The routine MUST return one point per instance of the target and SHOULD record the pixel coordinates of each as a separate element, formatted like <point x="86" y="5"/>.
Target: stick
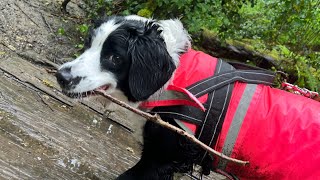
<point x="156" y="119"/>
<point x="46" y="22"/>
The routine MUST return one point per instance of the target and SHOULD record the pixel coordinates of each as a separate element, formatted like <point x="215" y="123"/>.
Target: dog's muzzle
<point x="65" y="79"/>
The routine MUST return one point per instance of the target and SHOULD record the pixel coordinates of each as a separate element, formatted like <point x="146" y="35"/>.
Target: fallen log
<point x="212" y="45"/>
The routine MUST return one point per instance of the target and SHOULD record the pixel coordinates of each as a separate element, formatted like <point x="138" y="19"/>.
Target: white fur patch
<point x="88" y="66"/>
<point x="137" y="18"/>
<point x="176" y="37"/>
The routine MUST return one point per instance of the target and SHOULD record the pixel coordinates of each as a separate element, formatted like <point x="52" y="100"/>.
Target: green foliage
<point x="83" y="29"/>
<point x="299" y="66"/>
<point x="145" y="13"/>
<point x="287" y="30"/>
<point x="61" y="31"/>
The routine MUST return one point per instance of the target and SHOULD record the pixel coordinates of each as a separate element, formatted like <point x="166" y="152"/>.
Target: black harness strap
<point x="219" y="89"/>
<point x="195" y="115"/>
<point x="222" y="77"/>
<point x="187" y="113"/>
<point x="216" y="108"/>
<point x="225" y="78"/>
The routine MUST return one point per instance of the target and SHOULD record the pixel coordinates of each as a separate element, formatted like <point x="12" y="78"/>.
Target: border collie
<point x="134" y="57"/>
<point x="138" y="58"/>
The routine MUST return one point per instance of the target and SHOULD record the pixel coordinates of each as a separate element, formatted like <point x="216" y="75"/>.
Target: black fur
<point x="164" y="153"/>
<point x="143" y="64"/>
<point x="136" y="54"/>
<point x="66" y="80"/>
<point x="144" y="68"/>
<point x="151" y="65"/>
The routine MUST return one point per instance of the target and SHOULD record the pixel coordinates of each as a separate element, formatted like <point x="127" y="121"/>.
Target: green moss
<point x="209" y="33"/>
<point x="238" y="43"/>
<point x="274" y="54"/>
<point x="145" y="13"/>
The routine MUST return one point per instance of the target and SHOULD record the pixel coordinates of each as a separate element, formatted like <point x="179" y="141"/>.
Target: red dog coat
<point x="276" y="131"/>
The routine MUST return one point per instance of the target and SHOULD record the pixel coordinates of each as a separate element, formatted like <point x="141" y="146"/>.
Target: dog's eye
<point x="115" y="60"/>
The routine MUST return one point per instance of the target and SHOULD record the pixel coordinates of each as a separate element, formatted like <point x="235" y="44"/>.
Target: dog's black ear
<point x="151" y="65"/>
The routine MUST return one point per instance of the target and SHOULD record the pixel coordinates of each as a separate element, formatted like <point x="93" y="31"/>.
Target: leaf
<point x="83" y="29"/>
<point x="47" y="83"/>
<point x="61" y="31"/>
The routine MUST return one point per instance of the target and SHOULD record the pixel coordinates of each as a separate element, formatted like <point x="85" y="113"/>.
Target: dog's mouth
<point x="87" y="93"/>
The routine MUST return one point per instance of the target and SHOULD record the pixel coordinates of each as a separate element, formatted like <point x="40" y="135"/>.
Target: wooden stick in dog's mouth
<point x="156" y="119"/>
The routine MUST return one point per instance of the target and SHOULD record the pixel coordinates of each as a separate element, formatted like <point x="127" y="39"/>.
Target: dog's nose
<point x="64" y="76"/>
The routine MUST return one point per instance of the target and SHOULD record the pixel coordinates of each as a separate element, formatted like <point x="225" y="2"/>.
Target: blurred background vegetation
<point x="287" y="31"/>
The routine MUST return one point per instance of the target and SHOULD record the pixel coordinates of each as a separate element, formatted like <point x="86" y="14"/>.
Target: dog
<point x="141" y="59"/>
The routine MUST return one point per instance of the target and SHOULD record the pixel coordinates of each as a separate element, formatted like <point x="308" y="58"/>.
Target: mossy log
<point x="208" y="42"/>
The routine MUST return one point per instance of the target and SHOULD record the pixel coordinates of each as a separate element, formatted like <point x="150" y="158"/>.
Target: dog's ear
<point x="151" y="64"/>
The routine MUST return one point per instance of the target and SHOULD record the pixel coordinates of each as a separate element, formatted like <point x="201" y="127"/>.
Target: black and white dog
<point x="135" y="57"/>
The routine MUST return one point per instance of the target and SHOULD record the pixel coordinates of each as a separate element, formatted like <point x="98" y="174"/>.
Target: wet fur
<point x="136" y="57"/>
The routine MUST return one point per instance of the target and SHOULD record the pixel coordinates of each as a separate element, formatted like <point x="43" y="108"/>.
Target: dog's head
<point x="132" y="54"/>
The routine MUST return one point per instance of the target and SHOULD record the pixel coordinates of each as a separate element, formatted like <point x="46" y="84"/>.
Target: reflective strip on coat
<point x="276" y="131"/>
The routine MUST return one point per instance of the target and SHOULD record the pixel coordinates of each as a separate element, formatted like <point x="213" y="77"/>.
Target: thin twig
<point x="46" y="22"/>
<point x="26" y="15"/>
<point x="11" y="48"/>
<point x="44" y="102"/>
<point x="156" y="119"/>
